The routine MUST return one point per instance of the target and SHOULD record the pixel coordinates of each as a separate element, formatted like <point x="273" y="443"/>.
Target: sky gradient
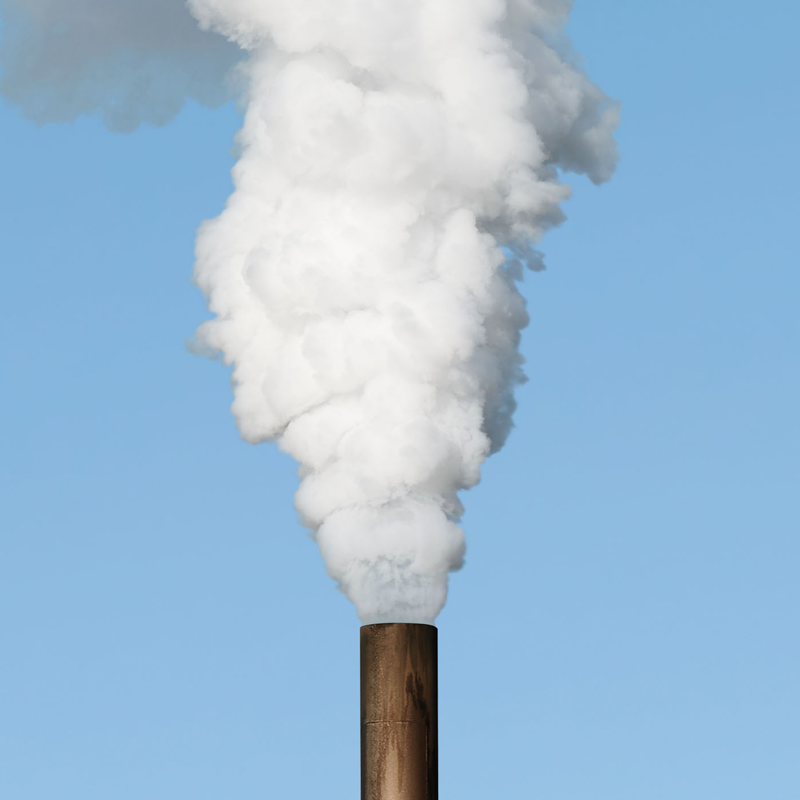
<point x="625" y="627"/>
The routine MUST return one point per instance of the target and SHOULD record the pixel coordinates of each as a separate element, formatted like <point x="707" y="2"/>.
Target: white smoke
<point x="399" y="160"/>
<point x="133" y="60"/>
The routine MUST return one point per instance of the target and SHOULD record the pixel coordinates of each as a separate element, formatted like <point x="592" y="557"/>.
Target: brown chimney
<point x="399" y="718"/>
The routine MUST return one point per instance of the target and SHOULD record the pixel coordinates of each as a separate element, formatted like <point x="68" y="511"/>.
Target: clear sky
<point x="626" y="626"/>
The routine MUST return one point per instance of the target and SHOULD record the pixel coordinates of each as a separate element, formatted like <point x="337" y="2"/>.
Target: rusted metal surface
<point x="399" y="718"/>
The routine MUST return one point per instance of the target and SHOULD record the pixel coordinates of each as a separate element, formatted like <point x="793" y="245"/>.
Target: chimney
<point x="399" y="718"/>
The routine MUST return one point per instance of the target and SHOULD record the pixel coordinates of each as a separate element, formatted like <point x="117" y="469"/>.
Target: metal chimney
<point x="399" y="717"/>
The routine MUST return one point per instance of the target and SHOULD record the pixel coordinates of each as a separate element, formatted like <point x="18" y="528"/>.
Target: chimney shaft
<point x="399" y="717"/>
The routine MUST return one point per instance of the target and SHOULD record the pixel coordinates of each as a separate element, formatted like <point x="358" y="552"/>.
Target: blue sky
<point x="626" y="627"/>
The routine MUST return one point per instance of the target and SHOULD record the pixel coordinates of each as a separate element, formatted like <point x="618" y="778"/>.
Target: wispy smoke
<point x="134" y="61"/>
<point x="399" y="162"/>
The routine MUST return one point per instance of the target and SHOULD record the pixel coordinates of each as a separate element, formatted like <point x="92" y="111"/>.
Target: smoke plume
<point x="134" y="61"/>
<point x="399" y="162"/>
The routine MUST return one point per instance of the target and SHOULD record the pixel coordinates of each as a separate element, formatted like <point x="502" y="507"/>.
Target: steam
<point x="399" y="162"/>
<point x="133" y="60"/>
<point x="390" y="151"/>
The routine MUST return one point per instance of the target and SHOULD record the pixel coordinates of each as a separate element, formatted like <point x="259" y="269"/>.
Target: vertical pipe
<point x="399" y="718"/>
